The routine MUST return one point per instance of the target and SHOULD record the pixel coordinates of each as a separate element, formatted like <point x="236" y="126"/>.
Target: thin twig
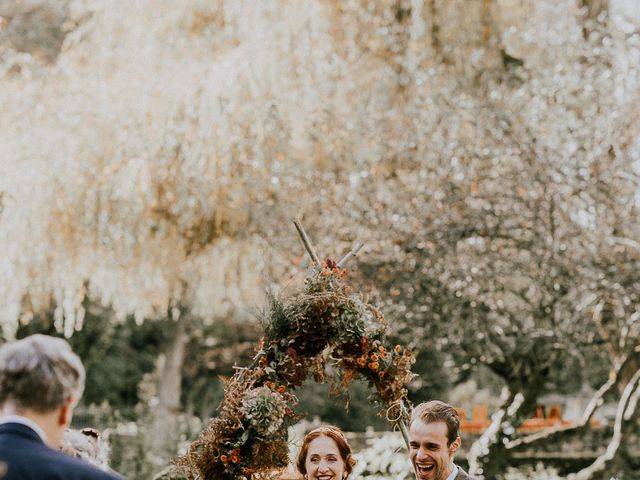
<point x="307" y="243"/>
<point x="348" y="256"/>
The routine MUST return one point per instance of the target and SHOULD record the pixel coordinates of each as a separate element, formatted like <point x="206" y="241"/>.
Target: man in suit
<point x="41" y="380"/>
<point x="434" y="437"/>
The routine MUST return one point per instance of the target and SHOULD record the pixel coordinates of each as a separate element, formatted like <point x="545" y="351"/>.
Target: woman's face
<point x="323" y="460"/>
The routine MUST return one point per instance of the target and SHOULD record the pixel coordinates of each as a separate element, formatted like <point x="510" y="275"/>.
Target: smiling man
<point x="434" y="438"/>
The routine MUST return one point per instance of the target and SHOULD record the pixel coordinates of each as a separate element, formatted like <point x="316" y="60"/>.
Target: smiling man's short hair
<point x="437" y="411"/>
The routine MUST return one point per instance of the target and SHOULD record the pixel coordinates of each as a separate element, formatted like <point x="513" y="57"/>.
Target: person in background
<point x="325" y="454"/>
<point x="41" y="380"/>
<point x="434" y="437"/>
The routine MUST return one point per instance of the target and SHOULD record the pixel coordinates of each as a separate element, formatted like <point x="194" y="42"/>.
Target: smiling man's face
<point x="432" y="459"/>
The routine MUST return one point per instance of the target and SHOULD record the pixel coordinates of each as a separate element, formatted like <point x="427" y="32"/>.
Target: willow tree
<point x="150" y="164"/>
<point x="137" y="177"/>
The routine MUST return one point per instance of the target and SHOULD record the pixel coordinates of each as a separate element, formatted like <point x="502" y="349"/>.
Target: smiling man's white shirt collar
<point x="454" y="472"/>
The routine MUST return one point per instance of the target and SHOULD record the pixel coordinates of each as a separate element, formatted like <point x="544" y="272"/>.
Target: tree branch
<point x="348" y="256"/>
<point x="626" y="400"/>
<point x="482" y="447"/>
<point x="307" y="243"/>
<point x="589" y="410"/>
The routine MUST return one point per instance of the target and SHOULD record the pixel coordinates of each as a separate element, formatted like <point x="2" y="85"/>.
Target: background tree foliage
<point x="153" y="153"/>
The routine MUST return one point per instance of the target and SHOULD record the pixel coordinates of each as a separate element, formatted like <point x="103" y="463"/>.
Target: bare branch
<point x="590" y="409"/>
<point x="491" y="436"/>
<point x="348" y="256"/>
<point x="600" y="463"/>
<point x="307" y="243"/>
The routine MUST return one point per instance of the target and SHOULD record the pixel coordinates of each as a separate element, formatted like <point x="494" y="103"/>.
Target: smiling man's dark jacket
<point x="462" y="475"/>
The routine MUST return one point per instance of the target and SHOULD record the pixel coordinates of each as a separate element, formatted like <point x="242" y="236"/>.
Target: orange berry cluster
<point x="329" y="268"/>
<point x="274" y="386"/>
<point x="373" y="359"/>
<point x="233" y="457"/>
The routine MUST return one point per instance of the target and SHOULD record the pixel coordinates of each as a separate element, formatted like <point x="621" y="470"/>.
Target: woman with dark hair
<point x="325" y="455"/>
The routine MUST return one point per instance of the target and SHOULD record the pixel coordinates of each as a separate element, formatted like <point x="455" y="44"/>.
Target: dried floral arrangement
<point x="327" y="331"/>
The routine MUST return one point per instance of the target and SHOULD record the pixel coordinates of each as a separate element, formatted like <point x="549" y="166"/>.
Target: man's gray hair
<point x="39" y="373"/>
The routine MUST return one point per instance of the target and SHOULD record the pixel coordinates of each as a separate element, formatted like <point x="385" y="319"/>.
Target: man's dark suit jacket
<point x="462" y="475"/>
<point x="26" y="457"/>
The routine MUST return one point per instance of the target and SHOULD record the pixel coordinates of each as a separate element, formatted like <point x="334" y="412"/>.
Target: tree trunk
<point x="164" y="427"/>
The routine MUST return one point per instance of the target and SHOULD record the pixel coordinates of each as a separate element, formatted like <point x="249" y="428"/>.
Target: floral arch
<point x="324" y="325"/>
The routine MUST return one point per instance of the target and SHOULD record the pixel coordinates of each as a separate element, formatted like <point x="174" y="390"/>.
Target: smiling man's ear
<point x="455" y="445"/>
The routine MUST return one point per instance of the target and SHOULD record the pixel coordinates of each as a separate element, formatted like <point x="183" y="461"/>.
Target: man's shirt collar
<point x="454" y="472"/>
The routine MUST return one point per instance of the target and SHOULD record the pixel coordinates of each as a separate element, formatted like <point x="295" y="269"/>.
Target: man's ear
<point x="455" y="445"/>
<point x="66" y="412"/>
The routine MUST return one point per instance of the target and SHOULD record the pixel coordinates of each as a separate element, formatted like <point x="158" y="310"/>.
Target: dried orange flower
<point x="224" y="458"/>
<point x="362" y="361"/>
<point x="374" y="366"/>
<point x="374" y="357"/>
<point x="398" y="349"/>
<point x="383" y="355"/>
<point x="381" y="349"/>
<point x="381" y="374"/>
